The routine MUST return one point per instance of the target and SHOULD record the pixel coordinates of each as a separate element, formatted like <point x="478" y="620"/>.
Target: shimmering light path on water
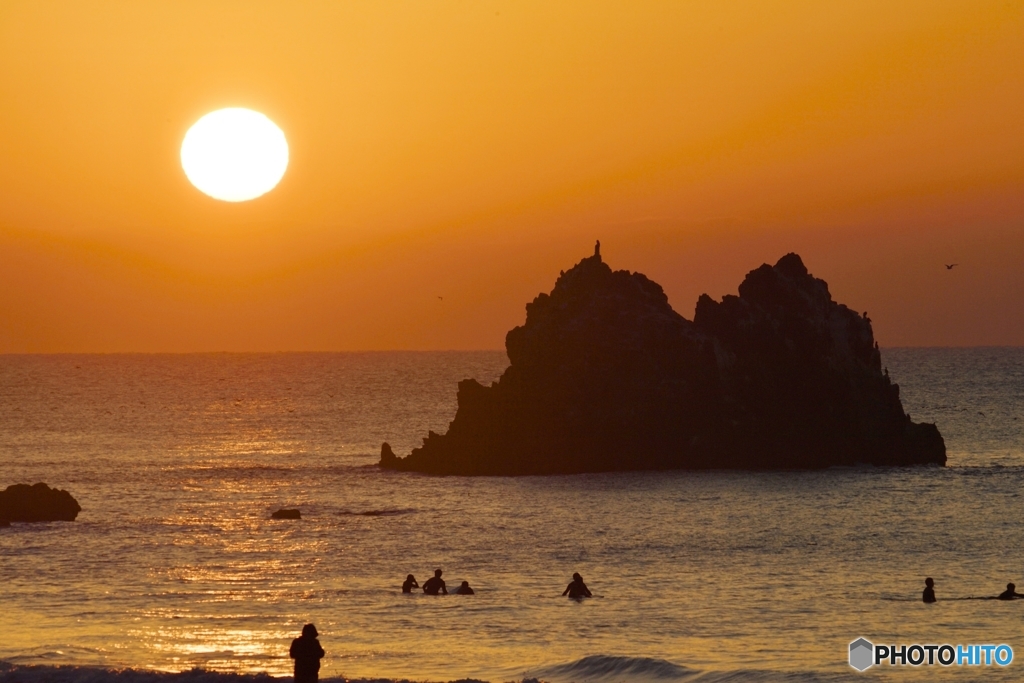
<point x="174" y="562"/>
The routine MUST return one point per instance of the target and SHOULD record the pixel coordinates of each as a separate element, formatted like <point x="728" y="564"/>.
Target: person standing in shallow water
<point x="929" y="591"/>
<point x="577" y="589"/>
<point x="435" y="584"/>
<point x="1010" y="593"/>
<point x="410" y="583"/>
<point x="307" y="653"/>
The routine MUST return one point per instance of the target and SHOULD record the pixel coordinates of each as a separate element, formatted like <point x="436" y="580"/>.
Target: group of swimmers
<point x="436" y="586"/>
<point x="307" y="651"/>
<point x="1009" y="594"/>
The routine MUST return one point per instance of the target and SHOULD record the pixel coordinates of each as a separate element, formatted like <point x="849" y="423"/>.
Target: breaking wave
<point x="608" y="668"/>
<point x="11" y="673"/>
<point x="592" y="669"/>
<point x="612" y="669"/>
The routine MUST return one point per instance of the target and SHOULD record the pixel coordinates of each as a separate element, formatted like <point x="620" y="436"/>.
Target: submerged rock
<point x="605" y="376"/>
<point x="37" y="503"/>
<point x="286" y="513"/>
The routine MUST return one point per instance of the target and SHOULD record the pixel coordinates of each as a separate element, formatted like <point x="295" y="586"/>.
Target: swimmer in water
<point x="1010" y="593"/>
<point x="435" y="585"/>
<point x="929" y="591"/>
<point x="464" y="589"/>
<point x="577" y="589"/>
<point x="410" y="583"/>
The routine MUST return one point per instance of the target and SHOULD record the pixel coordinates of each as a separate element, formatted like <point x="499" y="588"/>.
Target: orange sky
<point x="473" y="149"/>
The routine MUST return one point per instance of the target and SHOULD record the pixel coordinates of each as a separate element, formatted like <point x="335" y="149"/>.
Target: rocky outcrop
<point x="286" y="513"/>
<point x="38" y="503"/>
<point x="387" y="456"/>
<point x="605" y="376"/>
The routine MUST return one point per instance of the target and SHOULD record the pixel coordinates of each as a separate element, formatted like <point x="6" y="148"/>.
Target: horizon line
<point x="370" y="351"/>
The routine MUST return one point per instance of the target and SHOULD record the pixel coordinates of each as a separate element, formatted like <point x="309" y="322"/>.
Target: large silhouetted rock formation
<point x="38" y="503"/>
<point x="604" y="376"/>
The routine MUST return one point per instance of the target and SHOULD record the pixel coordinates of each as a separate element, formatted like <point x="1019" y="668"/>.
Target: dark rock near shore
<point x="286" y="513"/>
<point x="37" y="503"/>
<point x="605" y="376"/>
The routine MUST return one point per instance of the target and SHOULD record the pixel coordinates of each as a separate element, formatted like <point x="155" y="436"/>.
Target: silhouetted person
<point x="1010" y="593"/>
<point x="597" y="249"/>
<point x="306" y="652"/>
<point x="464" y="589"/>
<point x="410" y="583"/>
<point x="435" y="584"/>
<point x="577" y="589"/>
<point x="929" y="591"/>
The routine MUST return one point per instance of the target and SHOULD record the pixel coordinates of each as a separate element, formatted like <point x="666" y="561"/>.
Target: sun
<point x="234" y="154"/>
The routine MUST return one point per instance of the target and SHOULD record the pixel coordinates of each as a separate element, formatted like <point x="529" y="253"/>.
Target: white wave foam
<point x="612" y="669"/>
<point x="12" y="673"/>
<point x="608" y="668"/>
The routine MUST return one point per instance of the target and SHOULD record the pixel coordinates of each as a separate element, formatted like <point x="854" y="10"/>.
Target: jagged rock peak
<point x="605" y="375"/>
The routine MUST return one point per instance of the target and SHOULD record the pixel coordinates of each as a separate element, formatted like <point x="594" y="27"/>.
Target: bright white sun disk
<point x="234" y="154"/>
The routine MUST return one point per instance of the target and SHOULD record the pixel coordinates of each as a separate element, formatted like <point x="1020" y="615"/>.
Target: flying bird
<point x="950" y="266"/>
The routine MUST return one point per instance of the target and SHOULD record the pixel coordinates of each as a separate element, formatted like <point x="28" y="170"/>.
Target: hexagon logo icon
<point x="862" y="654"/>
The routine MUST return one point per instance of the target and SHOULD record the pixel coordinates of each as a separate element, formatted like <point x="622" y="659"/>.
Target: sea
<point x="175" y="570"/>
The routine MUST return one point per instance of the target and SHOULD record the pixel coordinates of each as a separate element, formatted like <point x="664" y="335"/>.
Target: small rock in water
<point x="286" y="513"/>
<point x="38" y="503"/>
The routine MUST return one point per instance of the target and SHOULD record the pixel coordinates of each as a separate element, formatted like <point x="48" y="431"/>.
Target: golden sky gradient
<point x="470" y="150"/>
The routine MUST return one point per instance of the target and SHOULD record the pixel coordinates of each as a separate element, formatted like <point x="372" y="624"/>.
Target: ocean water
<point x="174" y="563"/>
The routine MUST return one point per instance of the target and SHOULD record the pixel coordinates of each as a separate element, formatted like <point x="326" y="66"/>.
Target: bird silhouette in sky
<point x="441" y="298"/>
<point x="951" y="266"/>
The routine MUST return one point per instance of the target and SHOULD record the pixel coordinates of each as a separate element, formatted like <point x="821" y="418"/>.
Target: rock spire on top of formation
<point x="604" y="375"/>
